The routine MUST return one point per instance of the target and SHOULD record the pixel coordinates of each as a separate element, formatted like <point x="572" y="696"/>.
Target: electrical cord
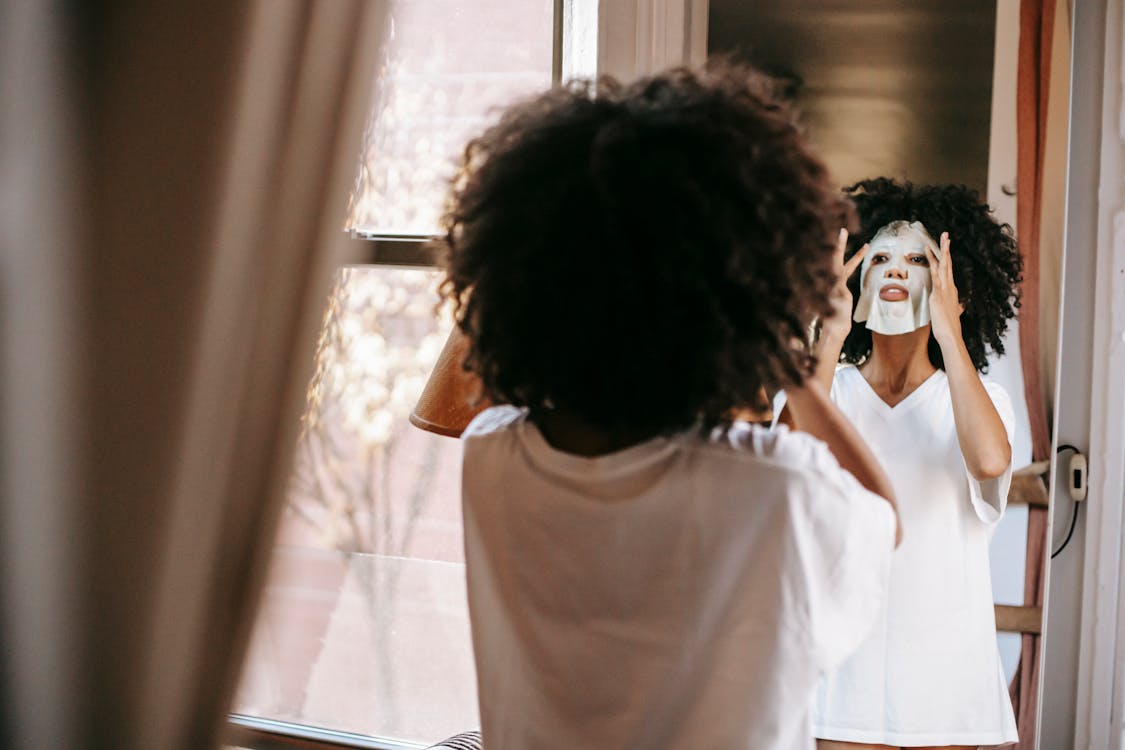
<point x="1074" y="507"/>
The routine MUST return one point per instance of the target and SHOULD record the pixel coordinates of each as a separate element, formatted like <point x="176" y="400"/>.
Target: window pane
<point x="446" y="67"/>
<point x="364" y="625"/>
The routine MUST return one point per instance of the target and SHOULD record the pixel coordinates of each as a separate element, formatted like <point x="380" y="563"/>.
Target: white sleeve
<point x="990" y="497"/>
<point x="781" y="398"/>
<point x="845" y="541"/>
<point x="492" y="419"/>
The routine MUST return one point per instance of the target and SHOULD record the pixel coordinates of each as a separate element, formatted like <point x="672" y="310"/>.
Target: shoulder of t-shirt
<point x="493" y="419"/>
<point x="993" y="386"/>
<point x="844" y="377"/>
<point x="1001" y="399"/>
<point x="998" y="393"/>
<point x="777" y="446"/>
<point x="818" y="486"/>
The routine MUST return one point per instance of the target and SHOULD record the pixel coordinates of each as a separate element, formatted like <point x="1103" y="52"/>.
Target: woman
<point x="621" y="259"/>
<point x="913" y="344"/>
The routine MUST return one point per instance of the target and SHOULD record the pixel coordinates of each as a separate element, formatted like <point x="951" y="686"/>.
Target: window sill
<point x="254" y="733"/>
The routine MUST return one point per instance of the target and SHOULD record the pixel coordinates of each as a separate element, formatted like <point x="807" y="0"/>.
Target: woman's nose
<point x="894" y="272"/>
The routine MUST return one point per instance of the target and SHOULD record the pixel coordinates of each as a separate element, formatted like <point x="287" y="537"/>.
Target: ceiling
<point x="898" y="88"/>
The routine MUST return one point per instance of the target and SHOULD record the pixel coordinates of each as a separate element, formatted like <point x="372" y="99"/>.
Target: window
<point x="364" y="627"/>
<point x="447" y="66"/>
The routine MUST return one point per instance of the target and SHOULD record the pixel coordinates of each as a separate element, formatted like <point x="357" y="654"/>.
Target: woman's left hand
<point x="980" y="430"/>
<point x="945" y="305"/>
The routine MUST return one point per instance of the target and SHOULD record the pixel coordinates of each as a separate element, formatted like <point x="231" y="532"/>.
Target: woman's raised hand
<point x="836" y="327"/>
<point x="945" y="305"/>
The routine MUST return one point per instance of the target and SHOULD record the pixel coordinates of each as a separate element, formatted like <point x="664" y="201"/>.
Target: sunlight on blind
<point x="363" y="626"/>
<point x="447" y="68"/>
<point x="364" y="623"/>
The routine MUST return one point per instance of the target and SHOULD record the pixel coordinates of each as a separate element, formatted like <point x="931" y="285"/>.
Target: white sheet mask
<point x="895" y="281"/>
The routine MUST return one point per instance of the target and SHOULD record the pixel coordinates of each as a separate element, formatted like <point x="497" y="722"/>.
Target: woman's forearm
<point x="980" y="431"/>
<point x="812" y="411"/>
<point x="827" y="357"/>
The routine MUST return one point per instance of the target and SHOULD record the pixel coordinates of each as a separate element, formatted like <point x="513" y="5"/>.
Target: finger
<point x="937" y="276"/>
<point x="947" y="260"/>
<point x="841" y="245"/>
<point x="854" y="261"/>
<point x="935" y="266"/>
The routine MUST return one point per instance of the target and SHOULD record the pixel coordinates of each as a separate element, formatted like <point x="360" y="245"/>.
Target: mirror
<point x="925" y="90"/>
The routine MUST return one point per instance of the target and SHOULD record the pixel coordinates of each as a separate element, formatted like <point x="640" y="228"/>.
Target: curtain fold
<point x="1037" y="20"/>
<point x="174" y="303"/>
<point x="306" y="82"/>
<point x="40" y="373"/>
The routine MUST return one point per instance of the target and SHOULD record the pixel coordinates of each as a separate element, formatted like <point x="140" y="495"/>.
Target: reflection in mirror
<point x="926" y="91"/>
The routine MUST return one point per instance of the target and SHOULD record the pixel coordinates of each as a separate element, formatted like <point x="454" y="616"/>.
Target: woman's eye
<point x="880" y="258"/>
<point x="921" y="260"/>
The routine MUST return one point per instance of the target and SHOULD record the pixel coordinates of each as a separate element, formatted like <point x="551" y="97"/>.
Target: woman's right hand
<point x="835" y="328"/>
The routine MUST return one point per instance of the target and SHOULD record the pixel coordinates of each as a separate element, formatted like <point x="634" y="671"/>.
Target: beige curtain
<point x="173" y="190"/>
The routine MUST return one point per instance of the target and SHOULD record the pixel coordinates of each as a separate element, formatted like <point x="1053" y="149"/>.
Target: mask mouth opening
<point x="894" y="292"/>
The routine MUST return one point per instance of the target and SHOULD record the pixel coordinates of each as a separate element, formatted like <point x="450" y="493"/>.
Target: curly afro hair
<point x="987" y="264"/>
<point x="642" y="256"/>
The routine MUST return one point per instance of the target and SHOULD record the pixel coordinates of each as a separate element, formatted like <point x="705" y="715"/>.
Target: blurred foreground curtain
<point x="173" y="180"/>
<point x="1041" y="39"/>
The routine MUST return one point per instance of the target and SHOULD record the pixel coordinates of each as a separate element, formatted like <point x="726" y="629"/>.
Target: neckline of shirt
<point x="906" y="403"/>
<point x="606" y="466"/>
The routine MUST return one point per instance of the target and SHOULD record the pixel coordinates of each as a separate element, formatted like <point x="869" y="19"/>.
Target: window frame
<point x="256" y="733"/>
<point x="647" y="35"/>
<point x="389" y="250"/>
<point x="415" y="250"/>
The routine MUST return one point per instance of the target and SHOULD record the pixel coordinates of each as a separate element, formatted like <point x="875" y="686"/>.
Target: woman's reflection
<point x="926" y="315"/>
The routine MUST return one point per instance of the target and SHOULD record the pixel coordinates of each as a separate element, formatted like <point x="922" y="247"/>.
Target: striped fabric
<point x="463" y="741"/>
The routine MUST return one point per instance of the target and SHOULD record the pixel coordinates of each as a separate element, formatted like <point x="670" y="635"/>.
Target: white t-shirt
<point x="929" y="673"/>
<point x="681" y="593"/>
